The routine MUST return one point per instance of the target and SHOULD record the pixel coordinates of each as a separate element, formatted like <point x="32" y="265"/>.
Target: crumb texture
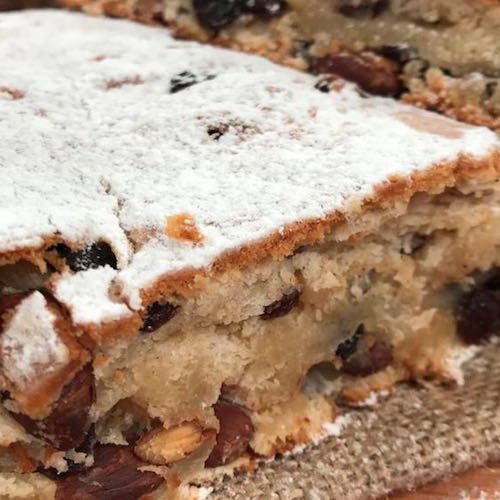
<point x="116" y="156"/>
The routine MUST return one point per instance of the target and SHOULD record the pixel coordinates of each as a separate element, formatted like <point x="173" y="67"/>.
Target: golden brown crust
<point x="308" y="232"/>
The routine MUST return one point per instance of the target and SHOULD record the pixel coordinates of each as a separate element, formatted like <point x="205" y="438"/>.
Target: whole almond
<point x="236" y="430"/>
<point x="67" y="425"/>
<point x="114" y="476"/>
<point x="166" y="446"/>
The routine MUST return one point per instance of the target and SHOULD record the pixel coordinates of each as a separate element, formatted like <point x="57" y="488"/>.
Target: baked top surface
<point x="94" y="146"/>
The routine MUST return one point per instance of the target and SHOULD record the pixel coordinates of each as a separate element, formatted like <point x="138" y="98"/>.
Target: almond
<point x="235" y="432"/>
<point x="115" y="475"/>
<point x="68" y="423"/>
<point x="166" y="446"/>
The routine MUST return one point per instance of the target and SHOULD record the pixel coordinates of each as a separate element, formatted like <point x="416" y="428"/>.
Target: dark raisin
<point x="91" y="257"/>
<point x="478" y="315"/>
<point x="182" y="81"/>
<point x="68" y="424"/>
<point x="215" y="14"/>
<point x="349" y="346"/>
<point x="360" y="9"/>
<point x="282" y="306"/>
<point x="115" y="475"/>
<point x="322" y="85"/>
<point x="157" y="314"/>
<point x="368" y="359"/>
<point x="492" y="281"/>
<point x="401" y="53"/>
<point x="216" y="132"/>
<point x="266" y="8"/>
<point x="491" y="88"/>
<point x="373" y="74"/>
<point x="235" y="432"/>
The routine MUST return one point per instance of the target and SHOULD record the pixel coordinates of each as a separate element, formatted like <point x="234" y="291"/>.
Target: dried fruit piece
<point x="370" y="358"/>
<point x="360" y="9"/>
<point x="68" y="424"/>
<point x="402" y="53"/>
<point x="372" y="73"/>
<point x="478" y="315"/>
<point x="186" y="79"/>
<point x="114" y="476"/>
<point x="266" y="8"/>
<point x="282" y="306"/>
<point x="236" y="431"/>
<point x="349" y="346"/>
<point x="157" y="315"/>
<point x="92" y="256"/>
<point x="165" y="446"/>
<point x="215" y="14"/>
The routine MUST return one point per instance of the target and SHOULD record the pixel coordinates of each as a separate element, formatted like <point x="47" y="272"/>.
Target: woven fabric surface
<point x="417" y="435"/>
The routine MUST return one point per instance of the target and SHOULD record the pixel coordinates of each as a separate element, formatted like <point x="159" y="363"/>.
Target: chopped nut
<point x="183" y="227"/>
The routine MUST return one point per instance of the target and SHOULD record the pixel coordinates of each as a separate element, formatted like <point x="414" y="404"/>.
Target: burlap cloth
<point x="415" y="436"/>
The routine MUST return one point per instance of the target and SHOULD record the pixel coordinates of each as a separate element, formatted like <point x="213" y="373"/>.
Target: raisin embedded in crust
<point x="360" y="9"/>
<point x="215" y="14"/>
<point x="92" y="256"/>
<point x="266" y="8"/>
<point x="282" y="306"/>
<point x="478" y="315"/>
<point x="157" y="315"/>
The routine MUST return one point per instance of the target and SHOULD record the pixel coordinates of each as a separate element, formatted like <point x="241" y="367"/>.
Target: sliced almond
<point x="166" y="446"/>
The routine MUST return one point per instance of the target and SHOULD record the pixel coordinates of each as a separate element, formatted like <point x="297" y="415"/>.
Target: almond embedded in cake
<point x="189" y="236"/>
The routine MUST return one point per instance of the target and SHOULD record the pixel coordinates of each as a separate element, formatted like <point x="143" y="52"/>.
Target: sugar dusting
<point x="30" y="346"/>
<point x="246" y="152"/>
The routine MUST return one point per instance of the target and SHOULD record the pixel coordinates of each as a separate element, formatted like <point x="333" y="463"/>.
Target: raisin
<point x="349" y="346"/>
<point x="157" y="315"/>
<point x="373" y="74"/>
<point x="91" y="257"/>
<point x="115" y="475"/>
<point x="235" y="432"/>
<point x="401" y="53"/>
<point x="266" y="8"/>
<point x="370" y="360"/>
<point x="68" y="424"/>
<point x="478" y="315"/>
<point x="215" y="14"/>
<point x="282" y="306"/>
<point x="182" y="81"/>
<point x="323" y="85"/>
<point x="186" y="79"/>
<point x="360" y="9"/>
<point x="216" y="132"/>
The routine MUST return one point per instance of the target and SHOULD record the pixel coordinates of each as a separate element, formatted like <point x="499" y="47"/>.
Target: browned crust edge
<point x="282" y="243"/>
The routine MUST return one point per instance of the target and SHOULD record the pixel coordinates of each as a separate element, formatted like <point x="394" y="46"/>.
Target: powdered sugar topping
<point x="86" y="294"/>
<point x="30" y="346"/>
<point x="99" y="148"/>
